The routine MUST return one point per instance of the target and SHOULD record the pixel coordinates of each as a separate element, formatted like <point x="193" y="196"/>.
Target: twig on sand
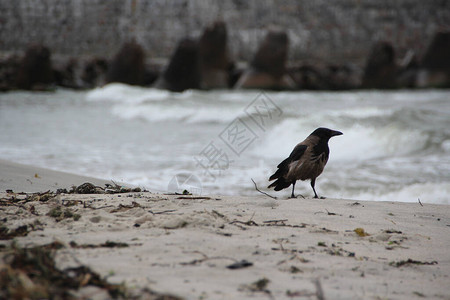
<point x="193" y="198"/>
<point x="205" y="258"/>
<point x="319" y="290"/>
<point x="256" y="188"/>
<point x="420" y="202"/>
<point x="248" y="223"/>
<point x="161" y="212"/>
<point x="275" y="221"/>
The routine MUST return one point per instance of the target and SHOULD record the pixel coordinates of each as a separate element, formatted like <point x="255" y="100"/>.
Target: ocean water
<point x="395" y="147"/>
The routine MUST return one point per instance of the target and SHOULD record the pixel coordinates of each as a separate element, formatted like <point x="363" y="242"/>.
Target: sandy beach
<point x="31" y="179"/>
<point x="231" y="247"/>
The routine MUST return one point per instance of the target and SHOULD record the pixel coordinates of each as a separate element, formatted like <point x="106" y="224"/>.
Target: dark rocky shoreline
<point x="205" y="63"/>
<point x="183" y="44"/>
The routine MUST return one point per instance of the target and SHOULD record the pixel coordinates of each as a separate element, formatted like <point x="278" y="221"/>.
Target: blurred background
<point x="137" y="90"/>
<point x="321" y="45"/>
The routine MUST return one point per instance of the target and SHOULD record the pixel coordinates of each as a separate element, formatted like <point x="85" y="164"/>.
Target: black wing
<point x="283" y="167"/>
<point x="297" y="153"/>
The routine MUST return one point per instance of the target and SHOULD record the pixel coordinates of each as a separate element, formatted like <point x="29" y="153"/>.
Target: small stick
<point x="194" y="198"/>
<point x="275" y="221"/>
<point x="248" y="223"/>
<point x="420" y="202"/>
<point x="256" y="187"/>
<point x="116" y="185"/>
<point x="319" y="290"/>
<point x="162" y="212"/>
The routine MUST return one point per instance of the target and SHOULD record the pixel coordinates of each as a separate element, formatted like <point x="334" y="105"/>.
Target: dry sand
<point x="30" y="179"/>
<point x="298" y="248"/>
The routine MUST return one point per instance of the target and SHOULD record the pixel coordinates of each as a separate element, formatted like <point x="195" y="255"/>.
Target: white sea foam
<point x="437" y="193"/>
<point x="122" y="93"/>
<point x="359" y="142"/>
<point x="175" y="113"/>
<point x="363" y="143"/>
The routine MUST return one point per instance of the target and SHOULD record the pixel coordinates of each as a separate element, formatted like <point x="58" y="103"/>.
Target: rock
<point x="380" y="70"/>
<point x="214" y="58"/>
<point x="307" y="77"/>
<point x="151" y="74"/>
<point x="128" y="66"/>
<point x="272" y="54"/>
<point x="437" y="56"/>
<point x="8" y="72"/>
<point x="326" y="77"/>
<point x="408" y="71"/>
<point x="234" y="73"/>
<point x="35" y="70"/>
<point x="252" y="79"/>
<point x="95" y="70"/>
<point x="343" y="77"/>
<point x="65" y="72"/>
<point x="267" y="69"/>
<point x="435" y="64"/>
<point x="80" y="73"/>
<point x="183" y="71"/>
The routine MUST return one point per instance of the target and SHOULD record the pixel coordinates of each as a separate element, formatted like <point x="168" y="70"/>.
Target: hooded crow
<point x="306" y="161"/>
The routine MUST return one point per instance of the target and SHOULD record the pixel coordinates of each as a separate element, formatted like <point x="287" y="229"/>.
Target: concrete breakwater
<point x="337" y="33"/>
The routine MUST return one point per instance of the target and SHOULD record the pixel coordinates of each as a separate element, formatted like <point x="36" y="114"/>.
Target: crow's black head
<point x="325" y="133"/>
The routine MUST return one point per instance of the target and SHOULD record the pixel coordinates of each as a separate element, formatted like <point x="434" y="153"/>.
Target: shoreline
<point x="280" y="249"/>
<point x="31" y="179"/>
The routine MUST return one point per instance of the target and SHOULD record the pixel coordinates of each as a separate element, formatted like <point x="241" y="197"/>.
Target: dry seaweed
<point x="336" y="250"/>
<point x="410" y="261"/>
<point x="31" y="273"/>
<point x="107" y="244"/>
<point x="294" y="270"/>
<point x="258" y="286"/>
<point x="59" y="214"/>
<point x="16" y="199"/>
<point x="282" y="223"/>
<point x="122" y="207"/>
<point x="361" y="232"/>
<point x="89" y="188"/>
<point x="7" y="234"/>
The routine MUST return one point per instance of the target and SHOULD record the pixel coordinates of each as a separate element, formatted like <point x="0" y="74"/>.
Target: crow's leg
<point x="292" y="194"/>
<point x="313" y="183"/>
<point x="293" y="187"/>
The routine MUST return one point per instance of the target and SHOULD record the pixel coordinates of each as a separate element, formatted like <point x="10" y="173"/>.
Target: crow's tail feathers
<point x="279" y="184"/>
<point x="277" y="174"/>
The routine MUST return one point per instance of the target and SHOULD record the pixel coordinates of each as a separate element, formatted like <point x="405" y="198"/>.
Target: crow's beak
<point x="335" y="132"/>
